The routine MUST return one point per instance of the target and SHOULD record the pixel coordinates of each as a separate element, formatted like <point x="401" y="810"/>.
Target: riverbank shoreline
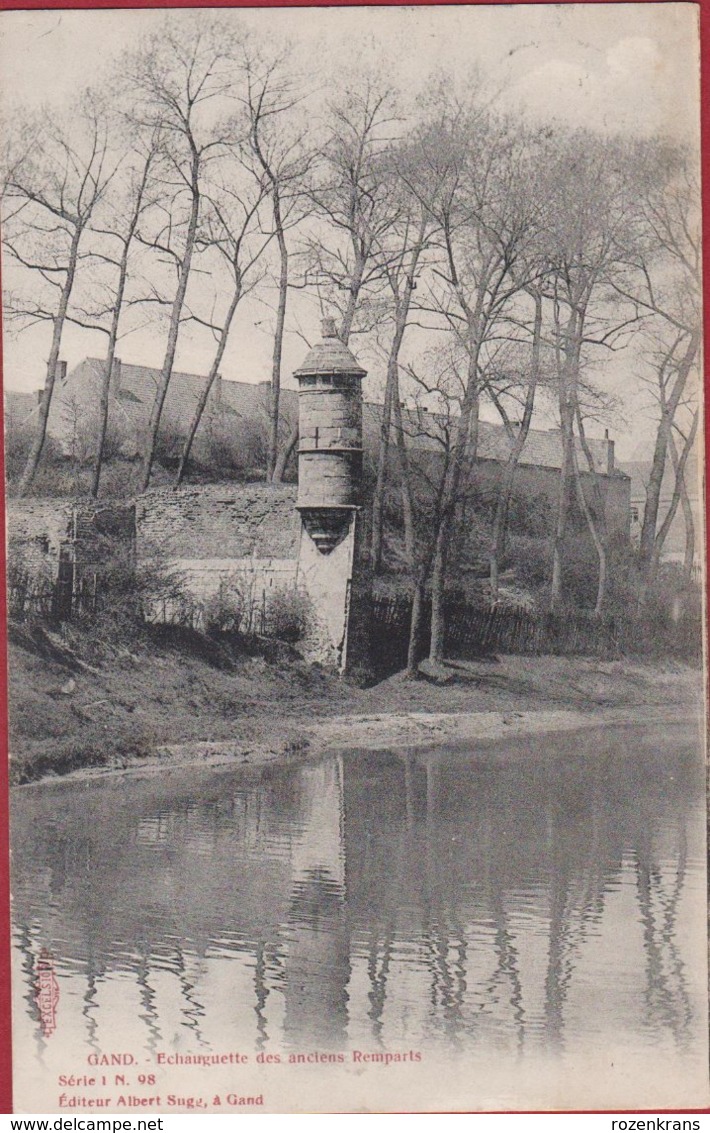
<point x="417" y="732"/>
<point x="163" y="705"/>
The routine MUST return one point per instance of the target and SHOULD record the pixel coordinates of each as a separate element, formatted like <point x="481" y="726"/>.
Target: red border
<point x="25" y="5"/>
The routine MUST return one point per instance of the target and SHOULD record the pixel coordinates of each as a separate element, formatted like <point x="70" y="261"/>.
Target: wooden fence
<point x="478" y="631"/>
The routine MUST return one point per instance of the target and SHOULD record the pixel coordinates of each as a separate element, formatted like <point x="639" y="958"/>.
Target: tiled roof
<point x="543" y="447"/>
<point x="249" y="401"/>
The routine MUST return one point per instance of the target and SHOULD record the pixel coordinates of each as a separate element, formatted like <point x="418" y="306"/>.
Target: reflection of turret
<point x="332" y="555"/>
<point x="318" y="952"/>
<point x="461" y="899"/>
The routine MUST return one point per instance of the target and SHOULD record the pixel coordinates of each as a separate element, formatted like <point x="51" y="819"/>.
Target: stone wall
<point x="37" y="529"/>
<point x="238" y="538"/>
<point x="228" y="521"/>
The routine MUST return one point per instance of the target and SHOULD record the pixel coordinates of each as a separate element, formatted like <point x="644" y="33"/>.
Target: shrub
<point x="288" y="614"/>
<point x="231" y="609"/>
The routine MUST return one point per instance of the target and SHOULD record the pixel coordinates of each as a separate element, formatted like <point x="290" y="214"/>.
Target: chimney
<point x="116" y="377"/>
<point x="609" y="453"/>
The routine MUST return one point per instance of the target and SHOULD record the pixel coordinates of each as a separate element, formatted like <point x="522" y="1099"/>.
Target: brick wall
<point x="243" y="535"/>
<point x="37" y="529"/>
<point x="232" y="521"/>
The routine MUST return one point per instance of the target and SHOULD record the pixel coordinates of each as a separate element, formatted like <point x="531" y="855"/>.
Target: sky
<point x="622" y="67"/>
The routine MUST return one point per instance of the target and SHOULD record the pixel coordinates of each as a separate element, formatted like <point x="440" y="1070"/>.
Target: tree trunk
<point x="665" y="527"/>
<point x="405" y="480"/>
<point x="354" y="288"/>
<point x="272" y="455"/>
<point x="415" y="631"/>
<point x="383" y="456"/>
<point x="567" y="362"/>
<point x="688" y="519"/>
<point x="174" y="328"/>
<point x="203" y="398"/>
<point x="463" y="452"/>
<point x="392" y="387"/>
<point x="508" y="478"/>
<point x="285" y="454"/>
<point x="113" y="334"/>
<point x="599" y="544"/>
<point x="658" y="467"/>
<point x="35" y="452"/>
<point x="438" y="593"/>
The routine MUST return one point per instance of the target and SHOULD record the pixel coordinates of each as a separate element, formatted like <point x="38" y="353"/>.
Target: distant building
<point x="639" y="472"/>
<point x="252" y="529"/>
<point x="235" y="427"/>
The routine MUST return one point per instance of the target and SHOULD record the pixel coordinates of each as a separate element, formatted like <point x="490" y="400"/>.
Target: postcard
<point x="355" y="558"/>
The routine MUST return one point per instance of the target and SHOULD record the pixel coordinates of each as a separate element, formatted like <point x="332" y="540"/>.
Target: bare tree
<point x="470" y="170"/>
<point x="401" y="255"/>
<point x="517" y="438"/>
<point x="115" y="230"/>
<point x="279" y="150"/>
<point x="427" y="440"/>
<point x="591" y="216"/>
<point x="681" y="487"/>
<point x="679" y="494"/>
<point x="178" y="84"/>
<point x="355" y="198"/>
<point x="665" y="284"/>
<point x="231" y="228"/>
<point x="353" y="207"/>
<point x="51" y="190"/>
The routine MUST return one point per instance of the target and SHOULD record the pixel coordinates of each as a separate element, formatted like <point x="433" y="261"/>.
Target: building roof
<point x="136" y="389"/>
<point x="542" y="449"/>
<point x="639" y="472"/>
<point x="134" y="394"/>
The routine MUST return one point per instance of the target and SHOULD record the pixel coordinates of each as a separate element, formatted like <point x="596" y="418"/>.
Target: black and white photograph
<point x="355" y="558"/>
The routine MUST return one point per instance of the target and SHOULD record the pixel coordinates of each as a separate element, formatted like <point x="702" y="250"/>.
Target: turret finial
<point x="328" y="327"/>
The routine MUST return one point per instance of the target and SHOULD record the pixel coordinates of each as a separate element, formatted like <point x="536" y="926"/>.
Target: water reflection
<point x="515" y="899"/>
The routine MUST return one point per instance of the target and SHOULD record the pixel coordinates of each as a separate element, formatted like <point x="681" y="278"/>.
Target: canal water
<point x="525" y="922"/>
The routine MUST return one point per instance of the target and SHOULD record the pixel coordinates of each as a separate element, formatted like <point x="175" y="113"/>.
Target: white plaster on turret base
<point x="327" y="581"/>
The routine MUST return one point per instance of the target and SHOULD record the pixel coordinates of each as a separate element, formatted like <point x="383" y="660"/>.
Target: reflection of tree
<point x="193" y="1010"/>
<point x="448" y="986"/>
<point x="89" y="1008"/>
<point x="483" y="881"/>
<point x="24" y="943"/>
<point x="666" y="993"/>
<point x="378" y="967"/>
<point x="508" y="961"/>
<point x="150" y="1014"/>
<point x="261" y="992"/>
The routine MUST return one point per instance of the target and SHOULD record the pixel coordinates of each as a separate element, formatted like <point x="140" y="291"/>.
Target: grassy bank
<point x="81" y="704"/>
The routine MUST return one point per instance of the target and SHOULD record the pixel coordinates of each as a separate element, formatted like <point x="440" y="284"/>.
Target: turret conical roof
<point x="330" y="356"/>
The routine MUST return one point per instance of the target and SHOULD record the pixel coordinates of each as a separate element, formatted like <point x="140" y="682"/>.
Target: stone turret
<point x="330" y="432"/>
<point x="333" y="564"/>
